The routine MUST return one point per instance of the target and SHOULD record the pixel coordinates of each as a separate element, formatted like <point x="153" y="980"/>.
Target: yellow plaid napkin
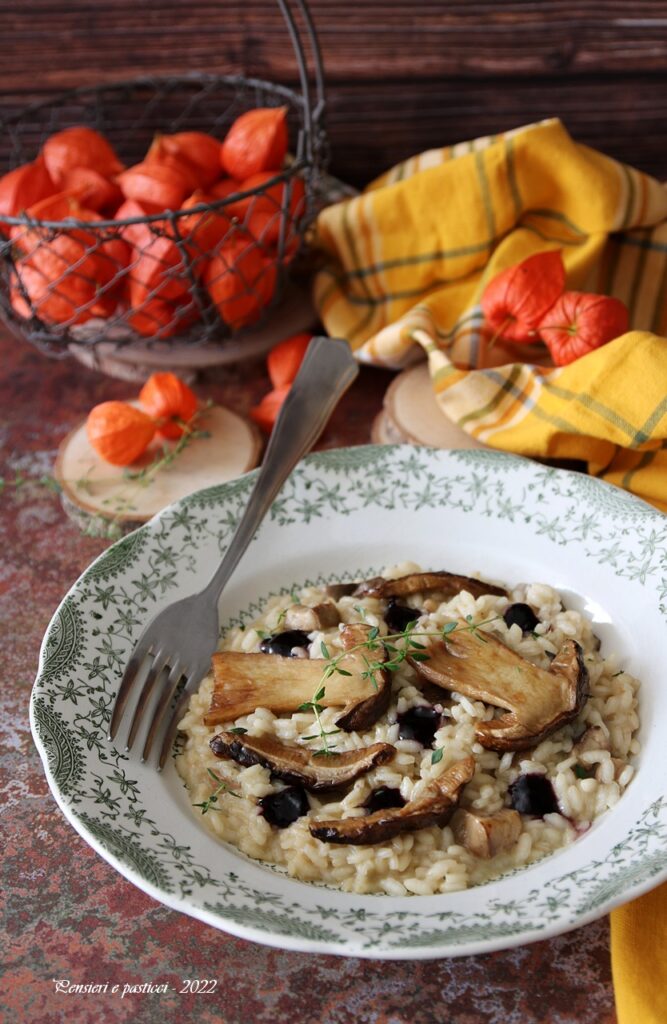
<point x="405" y="266"/>
<point x="407" y="261"/>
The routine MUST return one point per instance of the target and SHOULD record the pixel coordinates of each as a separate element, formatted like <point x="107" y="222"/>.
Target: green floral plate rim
<point x="343" y="514"/>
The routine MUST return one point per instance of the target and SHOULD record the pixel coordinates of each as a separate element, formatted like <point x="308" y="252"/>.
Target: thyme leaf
<point x="167" y="455"/>
<point x="415" y="650"/>
<point x="207" y="805"/>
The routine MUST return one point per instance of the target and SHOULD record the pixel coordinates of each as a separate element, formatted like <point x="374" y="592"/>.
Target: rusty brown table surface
<point x="68" y="915"/>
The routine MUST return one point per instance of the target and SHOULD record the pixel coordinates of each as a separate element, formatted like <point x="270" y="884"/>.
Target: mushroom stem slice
<point x="322" y="616"/>
<point x="538" y="702"/>
<point x="421" y="582"/>
<point x="244" y="682"/>
<point x="435" y="806"/>
<point x="595" y="738"/>
<point x="485" y="835"/>
<point x="362" y="714"/>
<point x="299" y="765"/>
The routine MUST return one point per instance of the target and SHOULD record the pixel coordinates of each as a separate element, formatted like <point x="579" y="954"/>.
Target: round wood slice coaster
<point x="411" y="413"/>
<point x="383" y="431"/>
<point x="102" y="499"/>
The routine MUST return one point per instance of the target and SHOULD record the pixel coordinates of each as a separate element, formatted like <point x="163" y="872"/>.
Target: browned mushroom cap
<point x="481" y="667"/>
<point x="362" y="714"/>
<point x="420" y="582"/>
<point x="314" y="771"/>
<point x="338" y="590"/>
<point x="434" y="807"/>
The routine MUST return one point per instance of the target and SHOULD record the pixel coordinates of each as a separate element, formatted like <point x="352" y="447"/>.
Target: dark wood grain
<point x="626" y="119"/>
<point x="401" y="76"/>
<point x="360" y="40"/>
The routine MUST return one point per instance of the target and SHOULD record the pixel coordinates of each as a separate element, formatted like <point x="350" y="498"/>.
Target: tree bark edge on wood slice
<point x="411" y="414"/>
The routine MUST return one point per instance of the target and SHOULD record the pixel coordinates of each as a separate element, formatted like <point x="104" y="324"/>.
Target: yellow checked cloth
<point x="407" y="261"/>
<point x="406" y="264"/>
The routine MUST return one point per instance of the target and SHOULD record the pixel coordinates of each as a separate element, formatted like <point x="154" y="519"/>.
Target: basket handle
<point x="313" y="112"/>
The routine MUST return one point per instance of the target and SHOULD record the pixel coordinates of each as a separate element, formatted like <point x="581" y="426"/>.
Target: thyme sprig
<point x="317" y="708"/>
<point x="167" y="455"/>
<point x="222" y="787"/>
<point x="388" y="644"/>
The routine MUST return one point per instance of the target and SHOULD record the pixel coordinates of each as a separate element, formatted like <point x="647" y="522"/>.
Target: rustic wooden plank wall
<point x="402" y="76"/>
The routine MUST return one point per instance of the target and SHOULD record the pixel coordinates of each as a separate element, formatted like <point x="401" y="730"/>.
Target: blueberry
<point x="533" y="794"/>
<point x="283" y="643"/>
<point x="420" y="724"/>
<point x="399" y="616"/>
<point x="285" y="806"/>
<point x="521" y="615"/>
<point x="382" y="798"/>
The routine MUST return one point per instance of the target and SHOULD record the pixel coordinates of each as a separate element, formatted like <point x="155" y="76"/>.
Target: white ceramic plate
<point x="343" y="515"/>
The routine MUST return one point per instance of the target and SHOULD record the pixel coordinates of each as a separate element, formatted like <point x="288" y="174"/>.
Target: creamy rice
<point x="427" y="861"/>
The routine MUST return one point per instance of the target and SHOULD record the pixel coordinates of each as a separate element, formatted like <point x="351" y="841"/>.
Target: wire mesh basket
<point x="207" y="271"/>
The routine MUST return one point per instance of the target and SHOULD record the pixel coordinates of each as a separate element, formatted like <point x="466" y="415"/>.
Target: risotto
<point x="509" y="808"/>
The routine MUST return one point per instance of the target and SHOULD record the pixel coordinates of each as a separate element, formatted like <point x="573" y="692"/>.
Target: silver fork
<point x="181" y="638"/>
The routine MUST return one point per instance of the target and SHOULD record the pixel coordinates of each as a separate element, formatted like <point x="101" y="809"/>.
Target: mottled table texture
<point x="68" y="915"/>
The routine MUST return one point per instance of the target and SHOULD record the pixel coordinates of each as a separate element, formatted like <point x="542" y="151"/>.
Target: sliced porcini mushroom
<point x="485" y="835"/>
<point x="243" y="682"/>
<point x="595" y="738"/>
<point x="362" y="714"/>
<point x="538" y="702"/>
<point x="421" y="582"/>
<point x="435" y="806"/>
<point x="302" y="617"/>
<point x="298" y="765"/>
<point x="338" y="590"/>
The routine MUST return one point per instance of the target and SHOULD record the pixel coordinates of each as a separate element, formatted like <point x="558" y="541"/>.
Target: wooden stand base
<point x="136" y="362"/>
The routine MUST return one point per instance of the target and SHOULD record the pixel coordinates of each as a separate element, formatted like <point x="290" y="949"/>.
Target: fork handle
<point x="325" y="374"/>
